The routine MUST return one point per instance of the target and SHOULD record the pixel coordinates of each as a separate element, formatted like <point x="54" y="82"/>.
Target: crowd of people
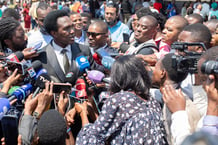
<point x="110" y="72"/>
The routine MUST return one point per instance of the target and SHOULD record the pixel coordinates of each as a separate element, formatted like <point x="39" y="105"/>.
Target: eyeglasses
<point x="93" y="34"/>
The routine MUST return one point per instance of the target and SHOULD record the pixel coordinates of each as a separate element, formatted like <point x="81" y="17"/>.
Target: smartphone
<point x="37" y="46"/>
<point x="13" y="65"/>
<point x="59" y="87"/>
<point x="10" y="129"/>
<point x="126" y="37"/>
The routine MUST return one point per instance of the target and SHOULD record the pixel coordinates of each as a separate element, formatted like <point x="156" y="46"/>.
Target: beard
<point x="111" y="23"/>
<point x="19" y="47"/>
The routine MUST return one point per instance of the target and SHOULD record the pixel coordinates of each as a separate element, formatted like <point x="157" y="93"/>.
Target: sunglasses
<point x="93" y="34"/>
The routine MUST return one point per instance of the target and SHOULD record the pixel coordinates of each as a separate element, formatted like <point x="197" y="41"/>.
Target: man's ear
<point x="54" y="34"/>
<point x="163" y="76"/>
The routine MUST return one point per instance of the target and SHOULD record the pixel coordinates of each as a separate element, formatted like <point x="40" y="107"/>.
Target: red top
<point x="158" y="6"/>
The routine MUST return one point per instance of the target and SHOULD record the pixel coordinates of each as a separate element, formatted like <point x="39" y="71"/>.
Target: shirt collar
<point x="58" y="48"/>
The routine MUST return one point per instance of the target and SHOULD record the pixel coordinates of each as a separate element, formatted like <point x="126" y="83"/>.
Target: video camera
<point x="186" y="61"/>
<point x="210" y="67"/>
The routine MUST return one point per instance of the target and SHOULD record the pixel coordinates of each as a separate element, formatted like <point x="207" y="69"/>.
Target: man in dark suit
<point x="58" y="57"/>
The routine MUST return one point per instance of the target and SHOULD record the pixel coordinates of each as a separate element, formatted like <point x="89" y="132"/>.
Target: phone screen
<point x="59" y="87"/>
<point x="126" y="37"/>
<point x="13" y="65"/>
<point x="10" y="129"/>
<point x="37" y="46"/>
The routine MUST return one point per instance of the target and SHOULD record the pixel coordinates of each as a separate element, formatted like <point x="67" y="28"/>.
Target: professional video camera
<point x="184" y="60"/>
<point x="210" y="67"/>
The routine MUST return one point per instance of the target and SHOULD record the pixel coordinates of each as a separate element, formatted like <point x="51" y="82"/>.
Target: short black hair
<point x="172" y="72"/>
<point x="50" y="22"/>
<point x="199" y="33"/>
<point x="52" y="128"/>
<point x="210" y="54"/>
<point x="84" y="14"/>
<point x="9" y="12"/>
<point x="197" y="17"/>
<point x="143" y="12"/>
<point x="112" y="4"/>
<point x="128" y="73"/>
<point x="7" y="29"/>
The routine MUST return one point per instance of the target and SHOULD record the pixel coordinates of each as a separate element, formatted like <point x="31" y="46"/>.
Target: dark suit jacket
<point x="49" y="61"/>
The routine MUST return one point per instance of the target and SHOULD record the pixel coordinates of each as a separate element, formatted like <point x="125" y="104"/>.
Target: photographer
<point x="165" y="76"/>
<point x="176" y="102"/>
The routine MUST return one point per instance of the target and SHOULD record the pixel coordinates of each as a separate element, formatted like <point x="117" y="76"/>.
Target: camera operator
<point x="167" y="76"/>
<point x="176" y="101"/>
<point x="196" y="33"/>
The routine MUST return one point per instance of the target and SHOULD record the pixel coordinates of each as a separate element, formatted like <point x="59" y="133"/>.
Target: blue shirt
<point x="117" y="31"/>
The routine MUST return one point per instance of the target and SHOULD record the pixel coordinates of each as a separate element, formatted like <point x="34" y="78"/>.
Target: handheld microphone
<point x="40" y="83"/>
<point x="21" y="92"/>
<point x="96" y="58"/>
<point x="81" y="89"/>
<point x="12" y="89"/>
<point x="97" y="76"/>
<point x="107" y="62"/>
<point x="70" y="78"/>
<point x="15" y="57"/>
<point x="83" y="63"/>
<point x="4" y="106"/>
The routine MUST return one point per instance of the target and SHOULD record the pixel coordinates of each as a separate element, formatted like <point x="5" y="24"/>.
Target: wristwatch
<point x="36" y="114"/>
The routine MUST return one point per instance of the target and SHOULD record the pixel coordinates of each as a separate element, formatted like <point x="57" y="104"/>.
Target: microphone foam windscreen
<point x="37" y="65"/>
<point x="19" y="55"/>
<point x="41" y="80"/>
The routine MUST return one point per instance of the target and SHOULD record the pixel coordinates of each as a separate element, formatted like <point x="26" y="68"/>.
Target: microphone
<point x="96" y="58"/>
<point x="70" y="78"/>
<point x="107" y="62"/>
<point x="15" y="57"/>
<point x="97" y="76"/>
<point x="40" y="83"/>
<point x="83" y="63"/>
<point x="81" y="89"/>
<point x="123" y="47"/>
<point x="4" y="106"/>
<point x="21" y="92"/>
<point x="12" y="89"/>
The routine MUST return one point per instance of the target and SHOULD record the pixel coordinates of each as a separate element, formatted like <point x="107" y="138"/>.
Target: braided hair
<point x="7" y="29"/>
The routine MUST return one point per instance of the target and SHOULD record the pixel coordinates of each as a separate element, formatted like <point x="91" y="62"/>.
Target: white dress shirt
<point x="57" y="50"/>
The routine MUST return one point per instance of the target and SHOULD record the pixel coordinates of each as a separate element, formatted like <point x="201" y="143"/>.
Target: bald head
<point x="195" y="18"/>
<point x="211" y="25"/>
<point x="101" y="25"/>
<point x="179" y="21"/>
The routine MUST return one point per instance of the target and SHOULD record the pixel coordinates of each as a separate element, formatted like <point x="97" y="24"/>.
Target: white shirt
<point x="59" y="55"/>
<point x="36" y="37"/>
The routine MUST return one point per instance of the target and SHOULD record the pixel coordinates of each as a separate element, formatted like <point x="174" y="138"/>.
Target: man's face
<point x="77" y="21"/>
<point x="157" y="71"/>
<point x="41" y="14"/>
<point x="144" y="30"/>
<point x="86" y="23"/>
<point x="65" y="33"/>
<point x="110" y="15"/>
<point x="185" y="36"/>
<point x="18" y="41"/>
<point x="97" y="37"/>
<point x="134" y="22"/>
<point x="170" y="32"/>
